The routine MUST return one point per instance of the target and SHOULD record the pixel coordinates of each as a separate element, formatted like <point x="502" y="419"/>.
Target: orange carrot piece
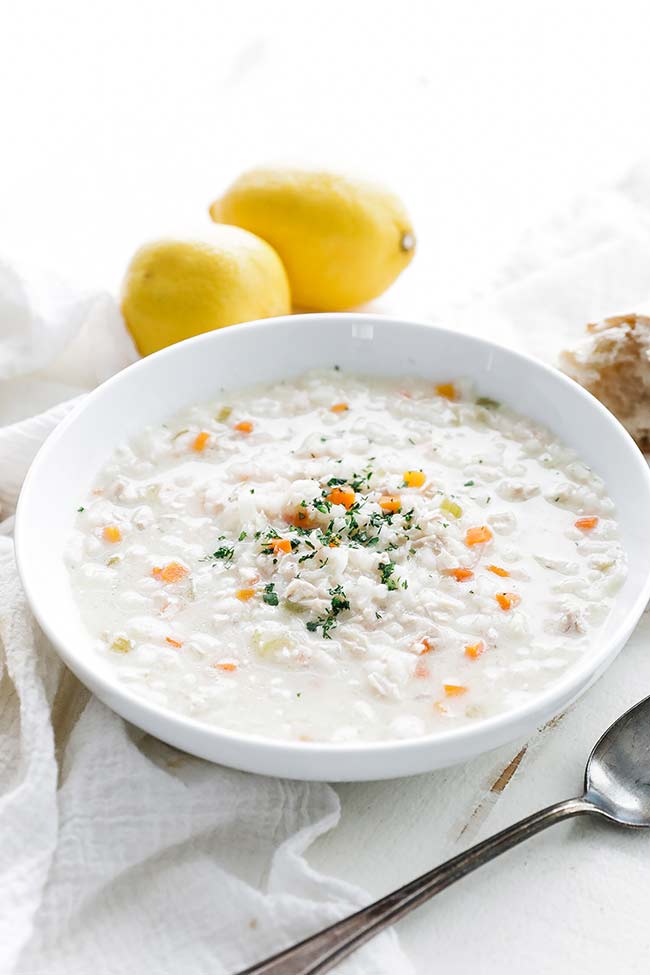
<point x="446" y="390"/>
<point x="474" y="650"/>
<point x="460" y="575"/>
<point x="226" y="665"/>
<point x="300" y="518"/>
<point x="454" y="690"/>
<point x="427" y="646"/>
<point x="586" y="524"/>
<point x="390" y="502"/>
<point x="112" y="534"/>
<point x="244" y="426"/>
<point x="172" y="572"/>
<point x="498" y="571"/>
<point x="342" y="496"/>
<point x="414" y="478"/>
<point x="278" y="545"/>
<point x="245" y="594"/>
<point x="339" y="407"/>
<point x="172" y="642"/>
<point x="477" y="536"/>
<point x="200" y="441"/>
<point x="507" y="600"/>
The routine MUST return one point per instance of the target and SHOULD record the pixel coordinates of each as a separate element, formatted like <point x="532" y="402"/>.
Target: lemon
<point x="343" y="241"/>
<point x="177" y="288"/>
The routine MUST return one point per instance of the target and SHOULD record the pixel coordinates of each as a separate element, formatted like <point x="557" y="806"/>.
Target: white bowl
<point x="192" y="371"/>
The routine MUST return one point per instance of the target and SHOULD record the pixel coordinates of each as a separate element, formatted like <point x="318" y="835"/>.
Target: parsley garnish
<point x="468" y="484"/>
<point x="320" y="504"/>
<point x="270" y="597"/>
<point x="242" y="536"/>
<point x="225" y="553"/>
<point x="327" y="622"/>
<point x="386" y="570"/>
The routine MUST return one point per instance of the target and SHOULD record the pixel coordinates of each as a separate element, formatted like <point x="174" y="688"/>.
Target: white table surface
<point x="123" y="121"/>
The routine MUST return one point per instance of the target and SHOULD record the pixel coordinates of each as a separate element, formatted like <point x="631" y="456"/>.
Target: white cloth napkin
<point x="118" y="852"/>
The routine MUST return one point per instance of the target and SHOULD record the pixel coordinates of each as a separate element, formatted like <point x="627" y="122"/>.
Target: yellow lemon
<point x="343" y="241"/>
<point x="176" y="288"/>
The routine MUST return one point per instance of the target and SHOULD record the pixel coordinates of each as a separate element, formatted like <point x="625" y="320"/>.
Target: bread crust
<point x="613" y="363"/>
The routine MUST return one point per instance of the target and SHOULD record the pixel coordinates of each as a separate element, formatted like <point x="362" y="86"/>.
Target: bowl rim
<point x="565" y="689"/>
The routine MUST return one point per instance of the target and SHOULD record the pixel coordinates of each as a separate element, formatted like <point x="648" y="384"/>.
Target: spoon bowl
<point x="617" y="778"/>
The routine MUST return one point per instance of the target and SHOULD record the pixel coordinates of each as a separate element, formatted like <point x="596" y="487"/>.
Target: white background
<point x="121" y="122"/>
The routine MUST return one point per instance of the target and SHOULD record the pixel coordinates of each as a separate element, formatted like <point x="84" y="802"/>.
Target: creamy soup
<point x="340" y="558"/>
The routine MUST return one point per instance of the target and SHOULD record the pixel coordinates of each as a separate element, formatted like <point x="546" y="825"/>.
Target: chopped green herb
<point x="242" y="536"/>
<point x="468" y="484"/>
<point x="490" y="404"/>
<point x="270" y="597"/>
<point x="81" y="508"/>
<point x="225" y="554"/>
<point x="327" y="622"/>
<point x="320" y="504"/>
<point x="386" y="570"/>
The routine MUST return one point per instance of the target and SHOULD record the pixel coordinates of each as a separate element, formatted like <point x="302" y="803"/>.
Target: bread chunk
<point x="613" y="363"/>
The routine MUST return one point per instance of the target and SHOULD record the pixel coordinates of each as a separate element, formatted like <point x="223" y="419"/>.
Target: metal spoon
<point x="617" y="788"/>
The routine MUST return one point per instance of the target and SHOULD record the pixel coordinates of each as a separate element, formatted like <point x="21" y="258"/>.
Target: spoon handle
<point x="322" y="951"/>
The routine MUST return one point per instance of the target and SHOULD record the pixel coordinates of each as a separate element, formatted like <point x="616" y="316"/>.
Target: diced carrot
<point x="245" y="594"/>
<point x="335" y="543"/>
<point x="586" y="524"/>
<point x="498" y="571"/>
<point x="427" y="646"/>
<point x="300" y="518"/>
<point x="446" y="390"/>
<point x="200" y="441"/>
<point x="421" y="670"/>
<point x="390" y="502"/>
<point x="226" y="665"/>
<point x="474" y="650"/>
<point x="244" y="426"/>
<point x="339" y="407"/>
<point x="460" y="575"/>
<point x="278" y="545"/>
<point x="112" y="533"/>
<point x="454" y="690"/>
<point x="414" y="478"/>
<point x="172" y="642"/>
<point x="172" y="572"/>
<point x="477" y="536"/>
<point x="341" y="496"/>
<point x="507" y="600"/>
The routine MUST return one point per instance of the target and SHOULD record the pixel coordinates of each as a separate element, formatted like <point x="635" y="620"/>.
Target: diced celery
<point x="450" y="506"/>
<point x="121" y="645"/>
